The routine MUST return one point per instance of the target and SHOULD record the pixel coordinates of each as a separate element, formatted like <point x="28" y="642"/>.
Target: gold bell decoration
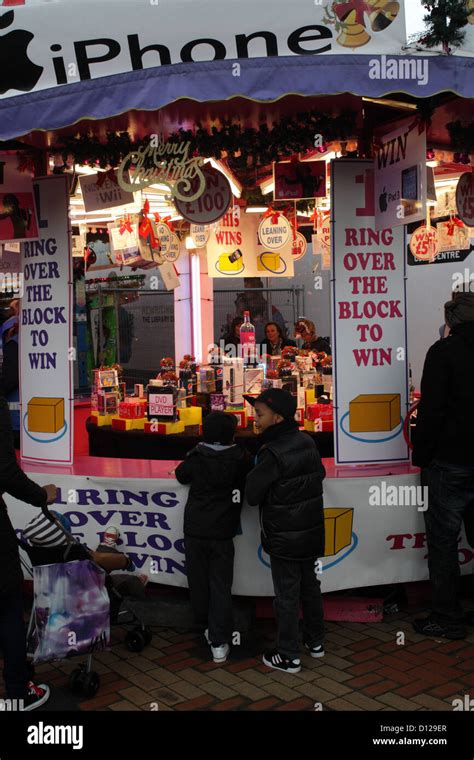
<point x="352" y="16"/>
<point x="385" y="12"/>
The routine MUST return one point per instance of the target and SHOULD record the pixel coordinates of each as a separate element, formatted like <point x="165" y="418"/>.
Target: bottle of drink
<point x="247" y="339"/>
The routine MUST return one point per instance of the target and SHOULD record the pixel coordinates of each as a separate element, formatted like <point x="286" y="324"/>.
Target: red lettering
<point x="376" y="357"/>
<point x="398" y="540"/>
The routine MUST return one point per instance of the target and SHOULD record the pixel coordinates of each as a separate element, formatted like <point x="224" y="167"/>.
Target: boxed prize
<point x="234" y="380"/>
<point x="107" y="403"/>
<point x="319" y="411"/>
<point x="162" y="403"/>
<point x="132" y="409"/>
<point x="253" y="380"/>
<point x="207" y="379"/>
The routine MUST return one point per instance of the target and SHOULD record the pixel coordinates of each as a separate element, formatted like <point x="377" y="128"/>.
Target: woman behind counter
<point x="306" y="330"/>
<point x="275" y="341"/>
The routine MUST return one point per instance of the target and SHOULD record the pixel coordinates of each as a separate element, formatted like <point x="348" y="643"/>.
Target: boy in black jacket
<point x="287" y="484"/>
<point x="216" y="470"/>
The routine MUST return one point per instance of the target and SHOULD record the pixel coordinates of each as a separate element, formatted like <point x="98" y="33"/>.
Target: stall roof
<point x="260" y="81"/>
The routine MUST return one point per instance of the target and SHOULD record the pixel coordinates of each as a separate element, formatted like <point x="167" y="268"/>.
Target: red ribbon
<point x="360" y="7"/>
<point x="274" y="215"/>
<point x="169" y="223"/>
<point x="125" y="226"/>
<point x="102" y="176"/>
<point x="145" y="229"/>
<point x="454" y="222"/>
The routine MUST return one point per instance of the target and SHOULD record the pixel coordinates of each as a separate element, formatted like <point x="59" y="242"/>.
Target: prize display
<point x="176" y="400"/>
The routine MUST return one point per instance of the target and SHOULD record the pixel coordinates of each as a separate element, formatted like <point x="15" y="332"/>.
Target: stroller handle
<point x="48" y="514"/>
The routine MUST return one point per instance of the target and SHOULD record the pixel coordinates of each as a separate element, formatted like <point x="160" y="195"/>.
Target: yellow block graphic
<point x="229" y="266"/>
<point x="266" y="261"/>
<point x="45" y="415"/>
<point x="338" y="529"/>
<point x="374" y="412"/>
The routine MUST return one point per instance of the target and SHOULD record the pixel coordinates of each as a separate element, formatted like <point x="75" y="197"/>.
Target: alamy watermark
<point x="463" y="282"/>
<point x="12" y="705"/>
<point x="247" y="351"/>
<point x="385" y="495"/>
<point x="416" y="69"/>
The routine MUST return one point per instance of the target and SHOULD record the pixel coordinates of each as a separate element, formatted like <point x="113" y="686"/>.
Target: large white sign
<point x="375" y="531"/>
<point x="65" y="42"/>
<point x="46" y="352"/>
<point x="369" y="323"/>
<point x="400" y="176"/>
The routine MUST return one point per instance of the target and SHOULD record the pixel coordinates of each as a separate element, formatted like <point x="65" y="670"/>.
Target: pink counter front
<point x="368" y="540"/>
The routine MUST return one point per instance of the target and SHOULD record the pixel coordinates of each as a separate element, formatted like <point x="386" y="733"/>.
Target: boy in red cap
<point x="287" y="484"/>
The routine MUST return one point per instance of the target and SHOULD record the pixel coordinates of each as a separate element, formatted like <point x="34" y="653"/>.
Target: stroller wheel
<point x="148" y="634"/>
<point x="135" y="641"/>
<point x="76" y="680"/>
<point x="91" y="684"/>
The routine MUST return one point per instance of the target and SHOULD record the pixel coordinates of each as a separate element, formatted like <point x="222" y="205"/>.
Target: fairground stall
<point x="274" y="198"/>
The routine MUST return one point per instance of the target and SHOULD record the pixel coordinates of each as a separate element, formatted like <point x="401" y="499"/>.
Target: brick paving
<point x="364" y="669"/>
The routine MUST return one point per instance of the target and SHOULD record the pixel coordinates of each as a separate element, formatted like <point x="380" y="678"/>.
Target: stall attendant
<point x="275" y="340"/>
<point x="306" y="330"/>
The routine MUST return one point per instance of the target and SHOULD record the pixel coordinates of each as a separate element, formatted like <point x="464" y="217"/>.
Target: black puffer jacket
<point x="14" y="482"/>
<point x="212" y="510"/>
<point x="287" y="483"/>
<point x="445" y="420"/>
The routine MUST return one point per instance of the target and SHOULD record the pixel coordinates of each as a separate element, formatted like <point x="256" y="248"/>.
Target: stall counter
<point x="373" y="515"/>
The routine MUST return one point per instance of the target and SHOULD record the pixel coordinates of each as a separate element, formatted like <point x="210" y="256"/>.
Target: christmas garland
<point x="462" y="137"/>
<point x="242" y="147"/>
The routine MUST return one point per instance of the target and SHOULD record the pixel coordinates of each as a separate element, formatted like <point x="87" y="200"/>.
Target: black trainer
<point x="36" y="695"/>
<point x="430" y="627"/>
<point x="316" y="651"/>
<point x="279" y="662"/>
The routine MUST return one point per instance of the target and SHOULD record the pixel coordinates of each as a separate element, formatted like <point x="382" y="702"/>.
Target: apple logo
<point x="17" y="72"/>
<point x="383" y="201"/>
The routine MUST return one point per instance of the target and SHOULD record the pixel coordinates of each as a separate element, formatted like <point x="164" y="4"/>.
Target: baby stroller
<point x="48" y="542"/>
